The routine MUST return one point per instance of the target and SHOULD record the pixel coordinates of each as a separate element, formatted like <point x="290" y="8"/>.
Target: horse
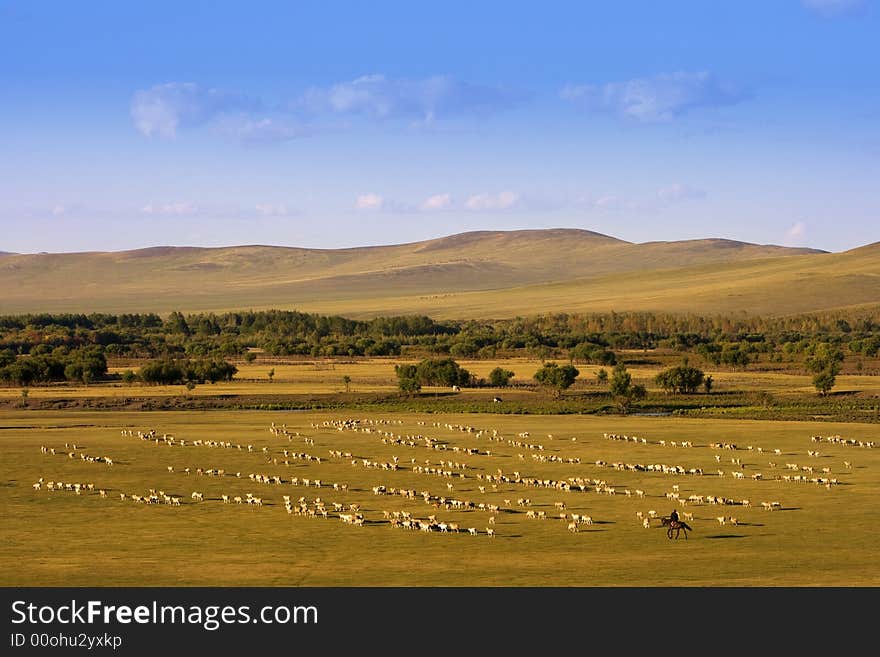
<point x="675" y="527"/>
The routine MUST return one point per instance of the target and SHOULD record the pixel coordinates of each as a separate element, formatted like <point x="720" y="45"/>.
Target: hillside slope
<point x="480" y="274"/>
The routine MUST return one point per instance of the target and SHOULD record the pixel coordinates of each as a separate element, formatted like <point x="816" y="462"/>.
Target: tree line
<point x="41" y="347"/>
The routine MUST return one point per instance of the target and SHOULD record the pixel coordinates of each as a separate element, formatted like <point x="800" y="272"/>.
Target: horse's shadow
<point x="715" y="536"/>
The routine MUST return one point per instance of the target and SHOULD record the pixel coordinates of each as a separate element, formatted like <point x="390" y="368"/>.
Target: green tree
<point x="602" y="376"/>
<point x="406" y="371"/>
<point x="621" y="381"/>
<point x="347" y="381"/>
<point x="442" y="372"/>
<point x="623" y="390"/>
<point x="824" y="380"/>
<point x="500" y="377"/>
<point x="707" y="383"/>
<point x="682" y="379"/>
<point x="408" y="386"/>
<point x="588" y="352"/>
<point x="162" y="372"/>
<point x="250" y="357"/>
<point x="557" y="377"/>
<point x="824" y="361"/>
<point x="735" y="356"/>
<point x="271" y="374"/>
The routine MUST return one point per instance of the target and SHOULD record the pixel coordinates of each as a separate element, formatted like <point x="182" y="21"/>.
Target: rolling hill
<point x="475" y="274"/>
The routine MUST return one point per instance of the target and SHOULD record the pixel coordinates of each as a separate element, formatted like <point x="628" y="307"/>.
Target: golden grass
<point x="475" y="275"/>
<point x="821" y="537"/>
<point x="376" y="375"/>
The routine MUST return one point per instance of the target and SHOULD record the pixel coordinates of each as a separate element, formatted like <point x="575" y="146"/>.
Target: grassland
<point x="478" y="275"/>
<point x="319" y="384"/>
<point x="818" y="537"/>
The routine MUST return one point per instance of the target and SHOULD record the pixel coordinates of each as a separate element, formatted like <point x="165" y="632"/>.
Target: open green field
<point x="818" y="535"/>
<point x="377" y="375"/>
<point x="319" y="382"/>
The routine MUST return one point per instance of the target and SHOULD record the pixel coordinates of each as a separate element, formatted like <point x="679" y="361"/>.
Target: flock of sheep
<point x="432" y="458"/>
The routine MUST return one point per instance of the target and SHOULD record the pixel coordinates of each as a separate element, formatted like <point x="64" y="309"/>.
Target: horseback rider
<point x="673" y="517"/>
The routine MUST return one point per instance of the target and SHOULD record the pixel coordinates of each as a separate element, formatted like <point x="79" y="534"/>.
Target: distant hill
<point x="474" y="274"/>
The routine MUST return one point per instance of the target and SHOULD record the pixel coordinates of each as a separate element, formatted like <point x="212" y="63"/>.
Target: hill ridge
<point x="503" y="273"/>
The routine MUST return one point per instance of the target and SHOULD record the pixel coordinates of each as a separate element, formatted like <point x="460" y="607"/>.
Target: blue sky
<point x="334" y="124"/>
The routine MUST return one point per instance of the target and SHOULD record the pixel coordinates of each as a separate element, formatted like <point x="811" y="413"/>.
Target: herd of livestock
<point x="466" y="464"/>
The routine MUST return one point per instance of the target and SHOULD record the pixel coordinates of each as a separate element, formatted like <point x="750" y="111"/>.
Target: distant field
<point x="818" y="535"/>
<point x="474" y="275"/>
<point x="377" y="375"/>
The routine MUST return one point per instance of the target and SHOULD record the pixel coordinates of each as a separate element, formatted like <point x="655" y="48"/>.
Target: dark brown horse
<point x="676" y="527"/>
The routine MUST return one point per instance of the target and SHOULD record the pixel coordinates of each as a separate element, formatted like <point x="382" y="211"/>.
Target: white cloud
<point x="679" y="192"/>
<point x="161" y="110"/>
<point x="655" y="99"/>
<point x="606" y="202"/>
<point x="170" y="209"/>
<point x="501" y="201"/>
<point x="271" y="210"/>
<point x="165" y="109"/>
<point x="436" y="202"/>
<point x="261" y="131"/>
<point x="369" y="201"/>
<point x="832" y="8"/>
<point x="58" y="210"/>
<point x="795" y="234"/>
<point x="379" y="97"/>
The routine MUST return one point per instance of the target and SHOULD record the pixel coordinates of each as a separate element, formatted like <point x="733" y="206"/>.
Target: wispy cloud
<point x="661" y="199"/>
<point x="655" y="99"/>
<point x="795" y="234"/>
<point x="426" y="99"/>
<point x="170" y="209"/>
<point x="502" y="201"/>
<point x="679" y="192"/>
<point x="436" y="202"/>
<point x="262" y="130"/>
<point x="163" y="109"/>
<point x="484" y="202"/>
<point x="272" y="209"/>
<point x="834" y="8"/>
<point x="369" y="201"/>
